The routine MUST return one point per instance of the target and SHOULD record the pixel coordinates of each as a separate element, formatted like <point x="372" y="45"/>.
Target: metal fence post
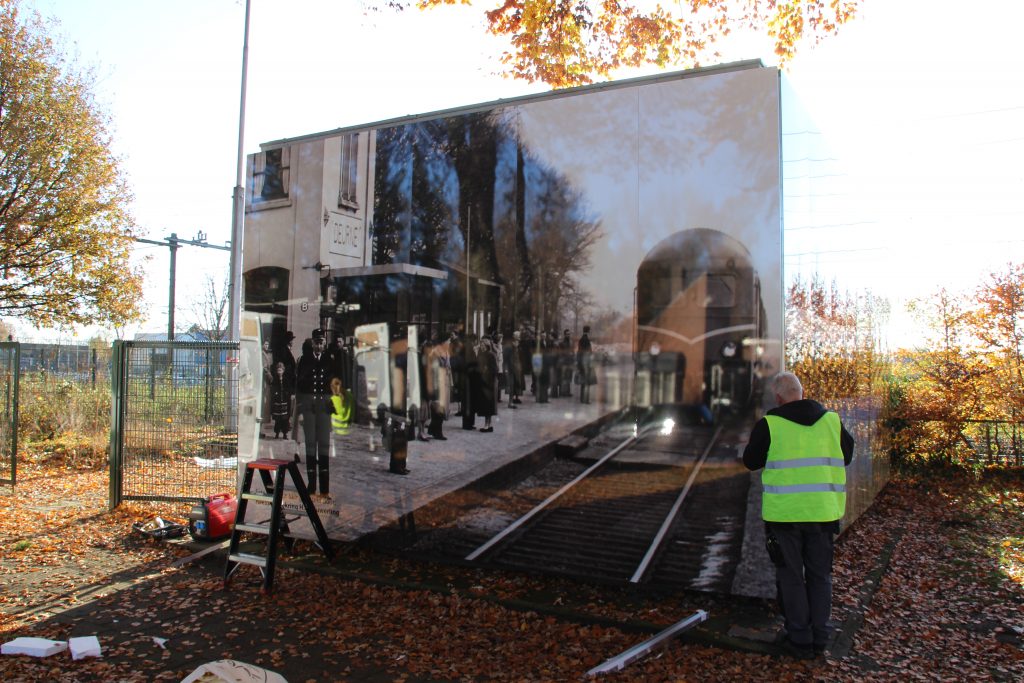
<point x="117" y="396"/>
<point x="12" y="357"/>
<point x="15" y="422"/>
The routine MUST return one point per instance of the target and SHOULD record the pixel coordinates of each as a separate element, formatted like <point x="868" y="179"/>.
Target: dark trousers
<point x="316" y="428"/>
<point x="804" y="579"/>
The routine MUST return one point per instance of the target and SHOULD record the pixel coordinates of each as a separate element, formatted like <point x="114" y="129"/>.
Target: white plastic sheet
<point x="231" y="671"/>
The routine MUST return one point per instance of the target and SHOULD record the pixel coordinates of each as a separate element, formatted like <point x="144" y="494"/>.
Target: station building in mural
<point x="598" y="255"/>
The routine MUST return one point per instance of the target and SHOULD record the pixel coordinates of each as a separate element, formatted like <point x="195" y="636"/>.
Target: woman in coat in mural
<point x="438" y="380"/>
<point x="457" y="363"/>
<point x="485" y="398"/>
<point x="469" y="383"/>
<point x="513" y="368"/>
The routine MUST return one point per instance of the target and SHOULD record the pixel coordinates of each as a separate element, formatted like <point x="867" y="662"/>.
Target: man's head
<point x="787" y="388"/>
<point x="319" y="340"/>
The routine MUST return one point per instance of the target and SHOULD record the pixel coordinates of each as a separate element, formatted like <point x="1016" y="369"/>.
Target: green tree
<point x="569" y="42"/>
<point x="65" y="229"/>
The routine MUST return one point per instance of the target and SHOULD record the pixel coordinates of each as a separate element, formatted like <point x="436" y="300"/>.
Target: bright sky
<point x="924" y="103"/>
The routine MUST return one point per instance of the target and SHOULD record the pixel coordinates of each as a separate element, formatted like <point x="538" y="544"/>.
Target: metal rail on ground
<point x="671" y="516"/>
<point x="555" y="496"/>
<point x="619" y="662"/>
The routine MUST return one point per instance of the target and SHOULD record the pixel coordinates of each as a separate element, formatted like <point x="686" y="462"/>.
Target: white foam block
<point x="33" y="647"/>
<point x="84" y="646"/>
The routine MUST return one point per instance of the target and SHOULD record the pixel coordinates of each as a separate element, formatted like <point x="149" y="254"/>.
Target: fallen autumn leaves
<point x="947" y="605"/>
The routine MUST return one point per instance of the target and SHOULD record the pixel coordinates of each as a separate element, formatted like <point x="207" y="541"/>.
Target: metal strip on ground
<point x="634" y="653"/>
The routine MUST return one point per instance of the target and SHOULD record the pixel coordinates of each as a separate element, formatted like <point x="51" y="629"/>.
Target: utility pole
<point x="238" y="205"/>
<point x="173" y="243"/>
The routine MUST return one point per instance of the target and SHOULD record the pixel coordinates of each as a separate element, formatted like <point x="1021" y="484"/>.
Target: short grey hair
<point x="787" y="387"/>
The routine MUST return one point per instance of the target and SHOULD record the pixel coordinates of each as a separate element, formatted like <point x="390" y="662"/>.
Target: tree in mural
<point x="391" y="197"/>
<point x="432" y="196"/>
<point x="437" y="179"/>
<point x="560" y="237"/>
<point x="565" y="43"/>
<point x="831" y="340"/>
<point x="473" y="150"/>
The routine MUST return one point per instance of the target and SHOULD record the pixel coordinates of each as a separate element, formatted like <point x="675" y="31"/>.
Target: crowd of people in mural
<point x="463" y="376"/>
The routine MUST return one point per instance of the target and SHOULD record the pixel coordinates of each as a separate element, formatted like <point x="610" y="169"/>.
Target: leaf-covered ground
<point x="929" y="586"/>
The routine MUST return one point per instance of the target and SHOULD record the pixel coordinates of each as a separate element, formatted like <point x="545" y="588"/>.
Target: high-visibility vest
<point x="804" y="477"/>
<point x="341" y="418"/>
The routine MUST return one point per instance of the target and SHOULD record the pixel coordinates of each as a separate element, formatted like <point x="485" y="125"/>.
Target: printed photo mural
<point x="460" y="314"/>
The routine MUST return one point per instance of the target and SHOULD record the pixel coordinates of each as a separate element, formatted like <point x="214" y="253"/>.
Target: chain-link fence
<point x="9" y="354"/>
<point x="174" y="433"/>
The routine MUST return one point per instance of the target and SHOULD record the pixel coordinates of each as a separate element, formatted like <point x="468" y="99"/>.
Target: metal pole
<point x="238" y="203"/>
<point x="172" y="241"/>
<point x="631" y="655"/>
<point x="469" y="225"/>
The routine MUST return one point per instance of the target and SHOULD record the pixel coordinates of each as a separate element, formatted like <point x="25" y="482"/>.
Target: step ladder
<point x="272" y="472"/>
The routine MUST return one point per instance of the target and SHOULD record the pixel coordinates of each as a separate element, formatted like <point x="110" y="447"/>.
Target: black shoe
<point x="401" y="471"/>
<point x="470" y="429"/>
<point x="796" y="651"/>
<point x="487" y="429"/>
<point x="819" y="650"/>
<point x="440" y="437"/>
<point x="516" y="400"/>
<point x="422" y="438"/>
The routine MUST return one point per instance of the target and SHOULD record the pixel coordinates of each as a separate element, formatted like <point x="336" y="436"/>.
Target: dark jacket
<point x="803" y="412"/>
<point x="313" y="378"/>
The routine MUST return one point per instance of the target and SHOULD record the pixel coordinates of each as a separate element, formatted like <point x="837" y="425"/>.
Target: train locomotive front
<point x="699" y="326"/>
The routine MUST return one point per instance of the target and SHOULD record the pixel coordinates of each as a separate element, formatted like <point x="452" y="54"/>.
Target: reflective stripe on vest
<point x="805" y="475"/>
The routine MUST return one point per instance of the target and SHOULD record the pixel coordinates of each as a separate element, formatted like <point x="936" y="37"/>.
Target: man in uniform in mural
<point x="802" y="450"/>
<point x="585" y="365"/>
<point x="565" y="365"/>
<point x="268" y="381"/>
<point x="313" y="389"/>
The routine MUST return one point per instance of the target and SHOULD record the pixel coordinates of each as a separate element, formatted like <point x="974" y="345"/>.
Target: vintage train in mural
<point x="700" y="324"/>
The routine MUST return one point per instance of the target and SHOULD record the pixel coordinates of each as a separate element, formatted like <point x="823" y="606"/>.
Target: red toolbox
<point x="213" y="518"/>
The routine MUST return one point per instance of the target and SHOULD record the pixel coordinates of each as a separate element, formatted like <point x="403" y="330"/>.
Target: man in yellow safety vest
<point x="802" y="450"/>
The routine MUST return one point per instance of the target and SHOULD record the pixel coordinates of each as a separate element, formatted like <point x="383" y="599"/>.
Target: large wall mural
<point x="532" y="286"/>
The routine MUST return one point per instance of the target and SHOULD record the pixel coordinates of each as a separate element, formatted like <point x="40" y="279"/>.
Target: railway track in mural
<point x="663" y="508"/>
